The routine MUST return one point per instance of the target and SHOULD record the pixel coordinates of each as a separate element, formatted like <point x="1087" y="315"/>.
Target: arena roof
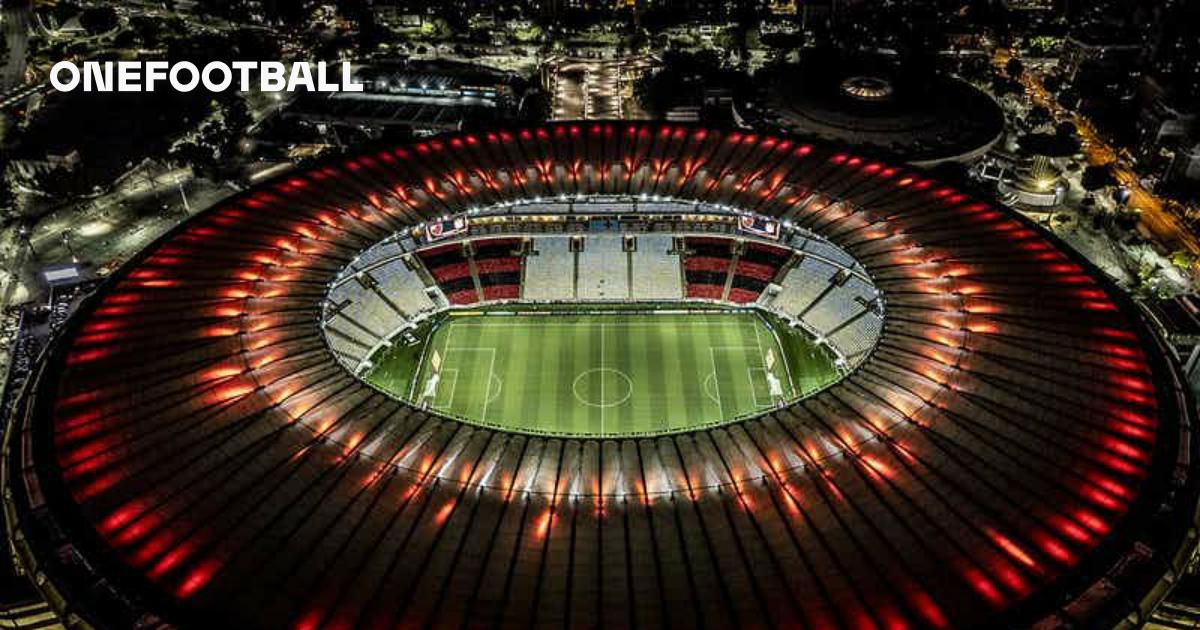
<point x="921" y="118"/>
<point x="1015" y="450"/>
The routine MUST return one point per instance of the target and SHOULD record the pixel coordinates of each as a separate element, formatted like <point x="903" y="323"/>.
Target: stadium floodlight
<point x="327" y="422"/>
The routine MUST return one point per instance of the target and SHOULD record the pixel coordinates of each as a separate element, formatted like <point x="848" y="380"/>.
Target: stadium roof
<point x="1014" y="451"/>
<point x="921" y="118"/>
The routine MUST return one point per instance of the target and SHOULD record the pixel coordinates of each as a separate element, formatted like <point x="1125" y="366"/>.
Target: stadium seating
<point x="857" y="338"/>
<point x="832" y="300"/>
<point x="607" y="265"/>
<point x="803" y="284"/>
<point x="550" y="275"/>
<point x="656" y="273"/>
<point x="836" y="307"/>
<point x="498" y="263"/>
<point x="756" y="268"/>
<point x="825" y="250"/>
<point x="707" y="267"/>
<point x="452" y="271"/>
<point x="403" y="286"/>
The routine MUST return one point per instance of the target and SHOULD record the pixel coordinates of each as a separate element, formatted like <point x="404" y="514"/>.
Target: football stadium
<point x="604" y="374"/>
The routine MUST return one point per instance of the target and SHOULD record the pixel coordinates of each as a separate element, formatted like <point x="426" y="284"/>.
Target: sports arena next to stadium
<point x="606" y="375"/>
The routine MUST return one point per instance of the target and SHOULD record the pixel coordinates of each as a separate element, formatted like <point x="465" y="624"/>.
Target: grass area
<point x="602" y="374"/>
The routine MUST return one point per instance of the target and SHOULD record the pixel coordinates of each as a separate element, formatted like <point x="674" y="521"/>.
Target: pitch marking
<point x="602" y="404"/>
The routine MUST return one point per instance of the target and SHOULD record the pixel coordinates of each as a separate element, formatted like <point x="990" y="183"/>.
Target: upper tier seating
<point x="803" y="284"/>
<point x="656" y="273"/>
<point x="403" y="286"/>
<point x="550" y="275"/>
<point x="450" y="267"/>
<point x="756" y="268"/>
<point x="498" y="263"/>
<point x="707" y="266"/>
<point x="607" y="269"/>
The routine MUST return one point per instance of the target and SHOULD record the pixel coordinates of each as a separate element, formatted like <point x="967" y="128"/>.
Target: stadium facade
<point x="1013" y="450"/>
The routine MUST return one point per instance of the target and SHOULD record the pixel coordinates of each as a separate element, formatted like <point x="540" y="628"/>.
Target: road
<point x="1157" y="216"/>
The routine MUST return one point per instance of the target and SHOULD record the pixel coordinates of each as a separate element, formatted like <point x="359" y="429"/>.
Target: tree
<point x="1015" y="68"/>
<point x="1038" y="115"/>
<point x="1184" y="259"/>
<point x="200" y="158"/>
<point x="61" y="12"/>
<point x="148" y="30"/>
<point x="1097" y="177"/>
<point x="1002" y="86"/>
<point x="96" y="20"/>
<point x="682" y="79"/>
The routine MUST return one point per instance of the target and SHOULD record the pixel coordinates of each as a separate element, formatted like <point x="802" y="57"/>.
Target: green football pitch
<point x="610" y="374"/>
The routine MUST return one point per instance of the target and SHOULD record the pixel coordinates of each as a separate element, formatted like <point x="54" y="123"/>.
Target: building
<point x="424" y="97"/>
<point x="14" y="28"/>
<point x="872" y="105"/>
<point x="1186" y="166"/>
<point x="1012" y="452"/>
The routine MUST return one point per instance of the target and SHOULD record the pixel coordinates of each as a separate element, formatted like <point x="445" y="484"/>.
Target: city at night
<point x="811" y="314"/>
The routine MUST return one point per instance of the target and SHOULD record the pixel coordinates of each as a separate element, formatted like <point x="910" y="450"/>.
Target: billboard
<point x="438" y="230"/>
<point x="759" y="226"/>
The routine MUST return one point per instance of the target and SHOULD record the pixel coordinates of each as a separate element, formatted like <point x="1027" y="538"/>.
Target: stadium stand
<point x="706" y="267"/>
<point x="856" y="337"/>
<point x="826" y="250"/>
<point x="607" y="266"/>
<point x="656" y="271"/>
<point x="452" y="271"/>
<point x="757" y="267"/>
<point x="550" y="275"/>
<point x="362" y="309"/>
<point x="1014" y="452"/>
<point x="838" y="304"/>
<point x="803" y="284"/>
<point x="498" y="264"/>
<point x="403" y="286"/>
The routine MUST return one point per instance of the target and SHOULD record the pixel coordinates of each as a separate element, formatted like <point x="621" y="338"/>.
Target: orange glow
<point x="877" y="466"/>
<point x="444" y="512"/>
<point x="1011" y="548"/>
<point x="231" y="392"/>
<point x="221" y="372"/>
<point x="542" y="529"/>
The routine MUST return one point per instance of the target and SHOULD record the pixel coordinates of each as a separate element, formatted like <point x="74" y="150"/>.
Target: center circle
<point x="551" y="333"/>
<point x="602" y="387"/>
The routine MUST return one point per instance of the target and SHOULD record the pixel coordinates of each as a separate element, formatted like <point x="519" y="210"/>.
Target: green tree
<point x="97" y="20"/>
<point x="1097" y="177"/>
<point x="1015" y="68"/>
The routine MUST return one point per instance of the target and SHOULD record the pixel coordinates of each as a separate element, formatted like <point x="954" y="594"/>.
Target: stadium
<point x="916" y="116"/>
<point x="604" y="374"/>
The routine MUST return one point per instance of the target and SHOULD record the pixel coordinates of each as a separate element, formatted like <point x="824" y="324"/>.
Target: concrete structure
<point x="922" y="119"/>
<point x="1014" y="452"/>
<point x="14" y="28"/>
